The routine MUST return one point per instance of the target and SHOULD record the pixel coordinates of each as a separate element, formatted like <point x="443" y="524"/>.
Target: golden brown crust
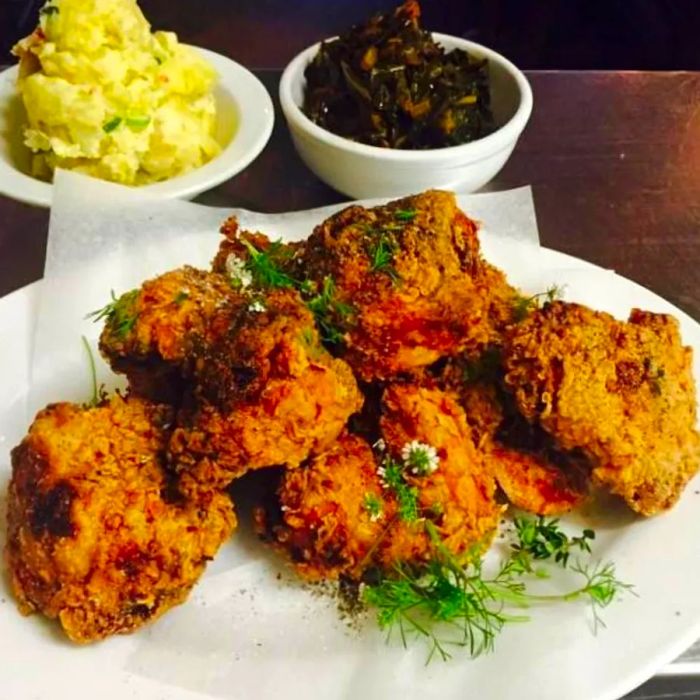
<point x="623" y="393"/>
<point x="156" y="336"/>
<point x="94" y="540"/>
<point x="461" y="491"/>
<point x="323" y="520"/>
<point x="269" y="394"/>
<point x="534" y="473"/>
<point x="320" y="518"/>
<point x="429" y="299"/>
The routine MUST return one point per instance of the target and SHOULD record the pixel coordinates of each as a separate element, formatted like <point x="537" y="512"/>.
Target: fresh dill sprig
<point x="120" y="314"/>
<point x="405" y="214"/>
<point x="330" y="313"/>
<point x="543" y="539"/>
<point x="265" y="265"/>
<point x="522" y="306"/>
<point x="95" y="400"/>
<point x="450" y="602"/>
<point x="381" y="255"/>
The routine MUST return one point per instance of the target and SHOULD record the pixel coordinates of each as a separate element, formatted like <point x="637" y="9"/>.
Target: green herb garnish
<point x="522" y="306"/>
<point x="543" y="539"/>
<point x="138" y="122"/>
<point x="111" y="125"/>
<point x="393" y="479"/>
<point x="181" y="296"/>
<point x="120" y="314"/>
<point x="451" y="602"/>
<point x="265" y="265"/>
<point x="95" y="400"/>
<point x="381" y="255"/>
<point x="327" y="309"/>
<point x="405" y="214"/>
<point x="372" y="503"/>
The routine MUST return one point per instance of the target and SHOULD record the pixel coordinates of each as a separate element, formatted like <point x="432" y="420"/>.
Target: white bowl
<point x="362" y="171"/>
<point x="245" y="117"/>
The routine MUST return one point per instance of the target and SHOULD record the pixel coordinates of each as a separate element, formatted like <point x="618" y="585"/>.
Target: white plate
<point x="245" y="117"/>
<point x="244" y="634"/>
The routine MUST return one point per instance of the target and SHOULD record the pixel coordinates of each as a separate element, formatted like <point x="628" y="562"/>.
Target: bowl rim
<point x="501" y="138"/>
<point x="233" y="79"/>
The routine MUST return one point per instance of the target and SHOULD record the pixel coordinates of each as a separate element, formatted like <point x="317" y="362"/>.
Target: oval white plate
<point x="245" y="634"/>
<point x="245" y="117"/>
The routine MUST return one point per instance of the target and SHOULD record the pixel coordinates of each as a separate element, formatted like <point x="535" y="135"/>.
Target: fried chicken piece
<point x="98" y="536"/>
<point x="459" y="495"/>
<point x="320" y="514"/>
<point x="336" y="516"/>
<point x="409" y="285"/>
<point x="623" y="393"/>
<point x="267" y="394"/>
<point x="152" y="334"/>
<point x="535" y="474"/>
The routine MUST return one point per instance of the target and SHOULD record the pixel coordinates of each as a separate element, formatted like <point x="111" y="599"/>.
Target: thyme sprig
<point x="451" y="603"/>
<point x="543" y="539"/>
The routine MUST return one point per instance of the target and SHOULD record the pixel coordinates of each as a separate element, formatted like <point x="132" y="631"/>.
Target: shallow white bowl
<point x="363" y="171"/>
<point x="245" y="117"/>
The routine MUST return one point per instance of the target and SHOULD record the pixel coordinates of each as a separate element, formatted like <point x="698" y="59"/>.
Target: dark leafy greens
<point x="388" y="83"/>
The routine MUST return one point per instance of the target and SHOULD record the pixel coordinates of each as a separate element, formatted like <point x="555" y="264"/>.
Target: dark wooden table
<point x="614" y="161"/>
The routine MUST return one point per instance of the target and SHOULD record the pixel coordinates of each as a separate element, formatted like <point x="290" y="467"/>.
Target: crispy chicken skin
<point x="621" y="392"/>
<point x="98" y="537"/>
<point x="459" y="496"/>
<point x="268" y="394"/>
<point x="533" y="472"/>
<point x="322" y="518"/>
<point x="412" y="273"/>
<point x="319" y="516"/>
<point x="155" y="331"/>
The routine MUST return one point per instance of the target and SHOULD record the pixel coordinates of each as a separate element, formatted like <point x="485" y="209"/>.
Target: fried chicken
<point x="152" y="334"/>
<point x="535" y="473"/>
<point x="340" y="515"/>
<point x="623" y="393"/>
<point x="409" y="284"/>
<point x="267" y="394"/>
<point x="98" y="536"/>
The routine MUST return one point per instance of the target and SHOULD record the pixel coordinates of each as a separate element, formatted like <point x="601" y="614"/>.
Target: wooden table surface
<point x="614" y="162"/>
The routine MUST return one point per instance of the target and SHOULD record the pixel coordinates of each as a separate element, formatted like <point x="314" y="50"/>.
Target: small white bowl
<point x="245" y="117"/>
<point x="362" y="171"/>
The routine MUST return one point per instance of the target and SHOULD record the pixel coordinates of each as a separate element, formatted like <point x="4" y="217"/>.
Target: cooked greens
<point x="388" y="83"/>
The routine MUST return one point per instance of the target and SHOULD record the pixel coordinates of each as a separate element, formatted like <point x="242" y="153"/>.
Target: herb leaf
<point x="327" y="310"/>
<point x="522" y="306"/>
<point x="381" y="255"/>
<point x="95" y="399"/>
<point x="405" y="214"/>
<point x="543" y="539"/>
<point x="450" y="602"/>
<point x="264" y="265"/>
<point x="111" y="125"/>
<point x="120" y="315"/>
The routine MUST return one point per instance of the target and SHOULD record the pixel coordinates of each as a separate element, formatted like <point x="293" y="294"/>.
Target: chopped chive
<point x="111" y="125"/>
